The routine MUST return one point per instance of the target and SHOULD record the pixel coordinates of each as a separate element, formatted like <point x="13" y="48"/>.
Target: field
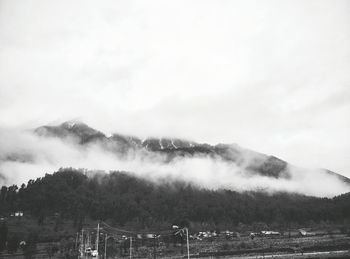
<point x="59" y="239"/>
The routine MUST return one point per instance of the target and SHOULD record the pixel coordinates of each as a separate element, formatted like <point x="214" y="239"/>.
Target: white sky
<point x="273" y="76"/>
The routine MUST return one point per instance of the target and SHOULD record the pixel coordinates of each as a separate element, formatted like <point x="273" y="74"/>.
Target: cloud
<point x="25" y="156"/>
<point x="270" y="76"/>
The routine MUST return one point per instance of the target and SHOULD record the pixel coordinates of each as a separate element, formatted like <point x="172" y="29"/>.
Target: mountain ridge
<point x="257" y="163"/>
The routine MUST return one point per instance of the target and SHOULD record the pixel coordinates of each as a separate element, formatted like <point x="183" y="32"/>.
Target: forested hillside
<point x="124" y="199"/>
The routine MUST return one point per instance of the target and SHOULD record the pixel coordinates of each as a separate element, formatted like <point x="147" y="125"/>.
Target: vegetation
<point x="126" y="200"/>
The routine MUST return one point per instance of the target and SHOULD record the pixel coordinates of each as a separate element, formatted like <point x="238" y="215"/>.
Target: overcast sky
<point x="273" y="76"/>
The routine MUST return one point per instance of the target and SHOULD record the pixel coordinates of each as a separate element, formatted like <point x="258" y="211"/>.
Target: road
<point x="329" y="254"/>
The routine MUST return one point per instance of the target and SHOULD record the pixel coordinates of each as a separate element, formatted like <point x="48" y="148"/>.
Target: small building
<point x="304" y="233"/>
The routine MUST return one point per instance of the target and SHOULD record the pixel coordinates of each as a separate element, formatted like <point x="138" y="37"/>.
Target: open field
<point x="61" y="242"/>
<point x="58" y="238"/>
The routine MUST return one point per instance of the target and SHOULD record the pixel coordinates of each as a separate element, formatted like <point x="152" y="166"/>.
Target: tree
<point x="30" y="247"/>
<point x="13" y="244"/>
<point x="3" y="235"/>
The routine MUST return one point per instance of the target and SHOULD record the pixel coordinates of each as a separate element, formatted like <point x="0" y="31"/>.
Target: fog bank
<point x="25" y="156"/>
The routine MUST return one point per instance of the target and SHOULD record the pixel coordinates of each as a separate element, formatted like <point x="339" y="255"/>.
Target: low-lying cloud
<point x="24" y="156"/>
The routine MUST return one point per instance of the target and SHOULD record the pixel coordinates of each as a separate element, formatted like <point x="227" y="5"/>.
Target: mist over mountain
<point x="130" y="201"/>
<point x="170" y="147"/>
<point x="25" y="155"/>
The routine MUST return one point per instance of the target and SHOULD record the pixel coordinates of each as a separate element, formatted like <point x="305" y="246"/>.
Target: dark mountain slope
<point x="125" y="199"/>
<point x="82" y="132"/>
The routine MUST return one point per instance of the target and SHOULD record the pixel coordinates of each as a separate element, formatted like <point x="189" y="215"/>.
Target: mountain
<point x="78" y="130"/>
<point x="85" y="134"/>
<point x="170" y="147"/>
<point x="253" y="163"/>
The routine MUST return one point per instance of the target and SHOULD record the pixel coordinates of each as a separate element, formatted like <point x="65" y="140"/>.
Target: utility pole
<point x="188" y="244"/>
<point x="106" y="246"/>
<point x="88" y="241"/>
<point x="130" y="249"/>
<point x="154" y="247"/>
<point x="97" y="237"/>
<point x="82" y="244"/>
<point x="76" y="240"/>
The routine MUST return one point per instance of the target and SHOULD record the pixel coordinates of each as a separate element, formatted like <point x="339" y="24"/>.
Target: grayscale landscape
<point x="174" y="129"/>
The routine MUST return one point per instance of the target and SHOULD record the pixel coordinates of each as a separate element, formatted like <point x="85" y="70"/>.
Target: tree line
<point x="125" y="200"/>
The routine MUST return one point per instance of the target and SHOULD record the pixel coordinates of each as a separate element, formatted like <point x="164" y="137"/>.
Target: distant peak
<point x="72" y="123"/>
<point x="68" y="124"/>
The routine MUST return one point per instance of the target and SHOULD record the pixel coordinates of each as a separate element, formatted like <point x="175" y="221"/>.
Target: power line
<point x="117" y="233"/>
<point x="161" y="232"/>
